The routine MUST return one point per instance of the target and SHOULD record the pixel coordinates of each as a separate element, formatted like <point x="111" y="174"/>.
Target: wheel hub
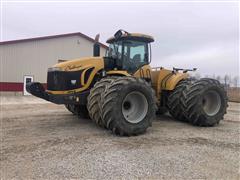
<point x="211" y="103"/>
<point x="126" y="105"/>
<point x="134" y="107"/>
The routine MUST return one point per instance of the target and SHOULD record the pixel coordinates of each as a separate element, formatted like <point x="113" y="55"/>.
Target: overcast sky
<point x="202" y="35"/>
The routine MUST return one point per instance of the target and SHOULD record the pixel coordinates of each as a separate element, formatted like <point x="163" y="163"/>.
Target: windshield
<point x="129" y="55"/>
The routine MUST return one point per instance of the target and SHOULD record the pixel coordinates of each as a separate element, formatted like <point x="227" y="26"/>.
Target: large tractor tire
<point x="175" y="107"/>
<point x="205" y="102"/>
<point x="128" y="106"/>
<point x="94" y="99"/>
<point x="79" y="110"/>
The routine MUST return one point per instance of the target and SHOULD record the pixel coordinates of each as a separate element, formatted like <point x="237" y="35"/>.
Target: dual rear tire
<point x="201" y="103"/>
<point x="174" y="105"/>
<point x="204" y="102"/>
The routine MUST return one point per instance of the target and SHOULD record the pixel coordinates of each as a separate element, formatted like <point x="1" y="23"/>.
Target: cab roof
<point x="132" y="36"/>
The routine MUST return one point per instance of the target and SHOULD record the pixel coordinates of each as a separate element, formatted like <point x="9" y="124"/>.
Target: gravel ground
<point x="44" y="141"/>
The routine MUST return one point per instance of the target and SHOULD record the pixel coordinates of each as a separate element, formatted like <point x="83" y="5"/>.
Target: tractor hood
<point x="79" y="64"/>
<point x="73" y="76"/>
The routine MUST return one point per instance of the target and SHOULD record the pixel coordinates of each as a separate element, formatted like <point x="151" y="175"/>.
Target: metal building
<point x="28" y="59"/>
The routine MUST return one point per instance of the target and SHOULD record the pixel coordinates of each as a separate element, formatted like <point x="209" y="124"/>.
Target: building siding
<point x="34" y="57"/>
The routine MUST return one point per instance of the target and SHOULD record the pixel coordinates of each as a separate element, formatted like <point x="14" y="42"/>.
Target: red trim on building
<point x="14" y="86"/>
<point x="8" y="86"/>
<point x="51" y="37"/>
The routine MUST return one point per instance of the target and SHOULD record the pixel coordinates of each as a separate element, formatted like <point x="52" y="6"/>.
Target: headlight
<point x="54" y="69"/>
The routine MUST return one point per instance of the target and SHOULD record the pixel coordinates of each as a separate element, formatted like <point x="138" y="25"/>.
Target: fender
<point x="118" y="73"/>
<point x="144" y="72"/>
<point x="163" y="79"/>
<point x="172" y="81"/>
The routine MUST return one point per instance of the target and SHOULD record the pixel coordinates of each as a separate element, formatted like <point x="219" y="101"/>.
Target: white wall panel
<point x="34" y="57"/>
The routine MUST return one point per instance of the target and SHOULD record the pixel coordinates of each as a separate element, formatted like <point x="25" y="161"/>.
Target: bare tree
<point x="235" y="81"/>
<point x="226" y="80"/>
<point x="218" y="78"/>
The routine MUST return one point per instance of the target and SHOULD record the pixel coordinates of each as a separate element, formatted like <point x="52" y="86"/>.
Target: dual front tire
<point x="94" y="99"/>
<point x="128" y="106"/>
<point x="124" y="105"/>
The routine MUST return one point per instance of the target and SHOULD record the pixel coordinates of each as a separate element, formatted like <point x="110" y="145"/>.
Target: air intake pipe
<point x="96" y="46"/>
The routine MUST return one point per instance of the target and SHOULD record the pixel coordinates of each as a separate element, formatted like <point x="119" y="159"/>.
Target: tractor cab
<point x="128" y="51"/>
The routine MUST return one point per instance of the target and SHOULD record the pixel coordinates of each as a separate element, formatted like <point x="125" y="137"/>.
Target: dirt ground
<point x="44" y="141"/>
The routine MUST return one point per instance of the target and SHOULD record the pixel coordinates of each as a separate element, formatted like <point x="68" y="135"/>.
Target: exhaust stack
<point x="96" y="46"/>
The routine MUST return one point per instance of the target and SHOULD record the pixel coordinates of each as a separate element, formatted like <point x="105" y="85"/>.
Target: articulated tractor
<point x="122" y="93"/>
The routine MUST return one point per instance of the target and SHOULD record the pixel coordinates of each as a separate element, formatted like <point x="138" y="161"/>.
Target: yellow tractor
<point x="122" y="93"/>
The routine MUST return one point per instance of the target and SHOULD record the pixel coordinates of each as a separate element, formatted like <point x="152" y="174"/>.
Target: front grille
<point x="63" y="80"/>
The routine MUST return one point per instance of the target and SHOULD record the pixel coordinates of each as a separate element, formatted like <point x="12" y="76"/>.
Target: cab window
<point x="115" y="50"/>
<point x="135" y="55"/>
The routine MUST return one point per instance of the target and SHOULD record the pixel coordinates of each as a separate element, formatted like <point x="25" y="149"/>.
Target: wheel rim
<point x="134" y="107"/>
<point x="211" y="103"/>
